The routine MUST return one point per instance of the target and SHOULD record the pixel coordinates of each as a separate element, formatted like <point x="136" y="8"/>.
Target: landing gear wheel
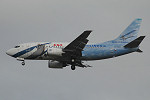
<point x="23" y="63"/>
<point x="73" y="67"/>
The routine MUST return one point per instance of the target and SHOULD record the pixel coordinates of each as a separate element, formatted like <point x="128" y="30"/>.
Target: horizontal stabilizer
<point x="139" y="51"/>
<point x="135" y="43"/>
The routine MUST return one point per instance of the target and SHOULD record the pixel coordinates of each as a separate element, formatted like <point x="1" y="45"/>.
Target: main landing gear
<point x="73" y="64"/>
<point x="73" y="67"/>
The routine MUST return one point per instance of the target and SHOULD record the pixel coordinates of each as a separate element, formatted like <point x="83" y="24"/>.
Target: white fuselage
<point x="53" y="51"/>
<point x="50" y="51"/>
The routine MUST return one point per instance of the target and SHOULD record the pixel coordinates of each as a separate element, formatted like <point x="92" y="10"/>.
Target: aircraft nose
<point x="9" y="52"/>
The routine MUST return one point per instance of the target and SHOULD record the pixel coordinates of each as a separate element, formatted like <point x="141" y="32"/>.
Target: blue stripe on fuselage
<point x="24" y="52"/>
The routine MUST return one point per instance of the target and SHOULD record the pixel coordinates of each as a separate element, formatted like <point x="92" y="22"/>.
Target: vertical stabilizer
<point x="130" y="33"/>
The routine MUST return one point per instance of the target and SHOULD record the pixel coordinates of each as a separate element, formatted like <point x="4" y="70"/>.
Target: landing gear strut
<point x="23" y="63"/>
<point x="73" y="64"/>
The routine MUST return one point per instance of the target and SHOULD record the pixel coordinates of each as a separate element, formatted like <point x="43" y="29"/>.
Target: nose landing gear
<point x="21" y="59"/>
<point x="23" y="63"/>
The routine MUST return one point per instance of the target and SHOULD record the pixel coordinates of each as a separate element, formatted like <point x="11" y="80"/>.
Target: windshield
<point x="17" y="46"/>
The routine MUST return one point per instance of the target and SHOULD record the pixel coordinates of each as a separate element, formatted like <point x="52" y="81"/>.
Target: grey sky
<point x="122" y="78"/>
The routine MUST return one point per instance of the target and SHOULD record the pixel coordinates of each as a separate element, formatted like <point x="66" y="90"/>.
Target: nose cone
<point x="9" y="52"/>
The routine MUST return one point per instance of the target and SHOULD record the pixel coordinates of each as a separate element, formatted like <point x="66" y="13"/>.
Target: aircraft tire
<point x="73" y="67"/>
<point x="23" y="63"/>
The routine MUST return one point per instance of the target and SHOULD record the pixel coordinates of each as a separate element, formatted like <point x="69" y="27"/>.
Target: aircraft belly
<point x="57" y="58"/>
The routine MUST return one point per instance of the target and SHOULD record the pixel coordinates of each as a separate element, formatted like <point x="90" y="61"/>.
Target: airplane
<point x="60" y="55"/>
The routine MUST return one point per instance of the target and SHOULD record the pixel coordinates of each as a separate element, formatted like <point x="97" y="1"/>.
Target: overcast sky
<point x="123" y="78"/>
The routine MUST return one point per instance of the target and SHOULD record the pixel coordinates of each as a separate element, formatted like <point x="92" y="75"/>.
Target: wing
<point x="75" y="48"/>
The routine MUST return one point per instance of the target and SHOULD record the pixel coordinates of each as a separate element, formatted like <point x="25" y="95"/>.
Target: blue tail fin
<point x="130" y="33"/>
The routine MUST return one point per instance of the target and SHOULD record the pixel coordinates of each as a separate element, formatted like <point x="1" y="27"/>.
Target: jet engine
<point x="55" y="64"/>
<point x="55" y="52"/>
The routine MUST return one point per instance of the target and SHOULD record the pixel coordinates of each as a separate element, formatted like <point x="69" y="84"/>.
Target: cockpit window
<point x="17" y="46"/>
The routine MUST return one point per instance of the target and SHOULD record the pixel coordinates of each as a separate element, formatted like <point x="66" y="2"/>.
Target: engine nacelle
<point x="55" y="52"/>
<point x="55" y="64"/>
